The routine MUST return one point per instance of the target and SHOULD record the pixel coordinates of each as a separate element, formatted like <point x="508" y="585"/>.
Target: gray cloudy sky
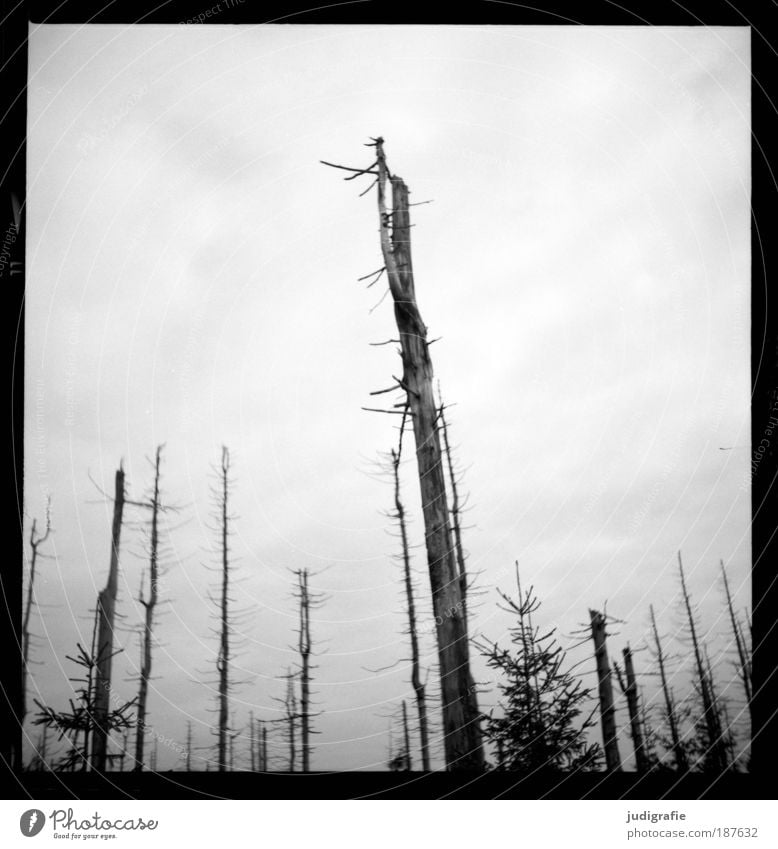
<point x="192" y="281"/>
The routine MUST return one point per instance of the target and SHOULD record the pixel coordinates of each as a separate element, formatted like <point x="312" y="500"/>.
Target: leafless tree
<point x="36" y="541"/>
<point x="678" y="746"/>
<point x="461" y="717"/>
<point x="715" y="757"/>
<point x="416" y="682"/>
<point x="744" y="665"/>
<point x="149" y="605"/>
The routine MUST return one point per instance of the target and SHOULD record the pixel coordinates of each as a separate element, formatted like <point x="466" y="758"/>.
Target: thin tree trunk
<point x="716" y="757"/>
<point x="744" y="670"/>
<point x="106" y="605"/>
<point x="455" y="517"/>
<point x="679" y="753"/>
<point x="223" y="661"/>
<point x="252" y="742"/>
<point x="149" y="605"/>
<point x="304" y="645"/>
<point x="189" y="747"/>
<point x="35" y="543"/>
<point x="291" y="718"/>
<point x="607" y="708"/>
<point x="631" y="692"/>
<point x="407" y="739"/>
<point x="462" y="733"/>
<point x="264" y="748"/>
<point x="418" y="686"/>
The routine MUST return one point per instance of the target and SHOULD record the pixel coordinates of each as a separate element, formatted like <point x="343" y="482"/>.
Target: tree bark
<point x="607" y="708"/>
<point x="106" y="606"/>
<point x="461" y="717"/>
<point x="407" y="739"/>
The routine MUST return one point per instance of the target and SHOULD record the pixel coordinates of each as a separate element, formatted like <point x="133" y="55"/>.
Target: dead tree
<point x="607" y="708"/>
<point x="106" y="607"/>
<point x="461" y="717"/>
<point x="223" y="660"/>
<point x="36" y="541"/>
<point x="630" y="689"/>
<point x="456" y="516"/>
<point x="744" y="666"/>
<point x="306" y="602"/>
<point x="678" y="748"/>
<point x="416" y="682"/>
<point x="290" y="718"/>
<point x="149" y="604"/>
<point x="188" y="746"/>
<point x="715" y="756"/>
<point x="263" y="748"/>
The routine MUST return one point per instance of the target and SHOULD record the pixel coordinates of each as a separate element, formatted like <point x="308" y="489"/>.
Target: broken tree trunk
<point x="106" y="607"/>
<point x="418" y="686"/>
<point x="679" y="752"/>
<point x="631" y="692"/>
<point x="607" y="708"/>
<point x="148" y="605"/>
<point x="462" y="732"/>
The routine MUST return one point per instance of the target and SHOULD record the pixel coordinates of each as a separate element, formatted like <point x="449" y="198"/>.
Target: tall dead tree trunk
<point x="106" y="606"/>
<point x="630" y="689"/>
<point x="304" y="645"/>
<point x="715" y="754"/>
<point x="679" y="752"/>
<point x="461" y="717"/>
<point x="744" y="667"/>
<point x="291" y="719"/>
<point x="407" y="739"/>
<point x="455" y="517"/>
<point x="607" y="707"/>
<point x="252" y="742"/>
<point x="149" y="606"/>
<point x="416" y="682"/>
<point x="223" y="660"/>
<point x="263" y="744"/>
<point x="188" y="746"/>
<point x="36" y="541"/>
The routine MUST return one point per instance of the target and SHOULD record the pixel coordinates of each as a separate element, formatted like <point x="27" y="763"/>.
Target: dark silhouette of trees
<point x="541" y="725"/>
<point x="78" y="724"/>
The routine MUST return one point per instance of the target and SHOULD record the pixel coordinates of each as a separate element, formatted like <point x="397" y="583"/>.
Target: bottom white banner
<point x="387" y="824"/>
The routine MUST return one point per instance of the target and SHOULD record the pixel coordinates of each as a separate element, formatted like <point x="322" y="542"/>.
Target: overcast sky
<point x="193" y="281"/>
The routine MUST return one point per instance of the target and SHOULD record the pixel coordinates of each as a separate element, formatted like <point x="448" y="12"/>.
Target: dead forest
<point x="528" y="699"/>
